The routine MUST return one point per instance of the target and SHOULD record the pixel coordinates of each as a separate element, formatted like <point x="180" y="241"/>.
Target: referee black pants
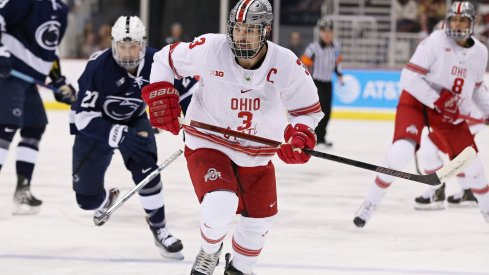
<point x="325" y="93"/>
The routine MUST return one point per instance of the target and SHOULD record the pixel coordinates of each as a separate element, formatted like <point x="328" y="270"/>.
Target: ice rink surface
<point x="313" y="232"/>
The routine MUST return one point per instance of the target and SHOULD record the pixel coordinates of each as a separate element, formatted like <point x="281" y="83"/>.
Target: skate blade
<point x="25" y="210"/>
<point x="430" y="207"/>
<point x="172" y="256"/>
<point x="465" y="204"/>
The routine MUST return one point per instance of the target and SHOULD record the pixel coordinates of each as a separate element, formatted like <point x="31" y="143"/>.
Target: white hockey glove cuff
<point x="4" y="51"/>
<point x="116" y="134"/>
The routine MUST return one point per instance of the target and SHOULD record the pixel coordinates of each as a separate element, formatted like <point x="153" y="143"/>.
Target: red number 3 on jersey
<point x="197" y="43"/>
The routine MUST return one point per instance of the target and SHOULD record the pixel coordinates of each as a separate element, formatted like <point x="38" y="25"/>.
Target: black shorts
<point x="20" y="104"/>
<point x="91" y="158"/>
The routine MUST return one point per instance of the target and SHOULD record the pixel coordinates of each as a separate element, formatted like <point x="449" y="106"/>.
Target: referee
<point x="322" y="58"/>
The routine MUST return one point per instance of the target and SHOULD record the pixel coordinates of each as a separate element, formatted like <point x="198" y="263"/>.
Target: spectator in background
<point x="322" y="58"/>
<point x="295" y="43"/>
<point x="89" y="42"/>
<point x="176" y="34"/>
<point x="406" y="12"/>
<point x="105" y="36"/>
<point x="434" y="10"/>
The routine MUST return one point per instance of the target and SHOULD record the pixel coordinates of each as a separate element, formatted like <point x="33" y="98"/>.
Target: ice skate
<point x="205" y="263"/>
<point x="230" y="269"/>
<point x="169" y="246"/>
<point x="432" y="199"/>
<point x="113" y="195"/>
<point x="24" y="202"/>
<point x="364" y="213"/>
<point x="464" y="198"/>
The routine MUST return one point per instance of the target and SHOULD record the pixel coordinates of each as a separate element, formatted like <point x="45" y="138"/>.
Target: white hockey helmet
<point x="464" y="9"/>
<point x="251" y="17"/>
<point x="128" y="32"/>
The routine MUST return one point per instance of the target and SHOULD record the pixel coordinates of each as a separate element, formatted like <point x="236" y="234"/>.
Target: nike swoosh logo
<point x="245" y="91"/>
<point x="146" y="170"/>
<point x="9" y="130"/>
<point x="272" y="204"/>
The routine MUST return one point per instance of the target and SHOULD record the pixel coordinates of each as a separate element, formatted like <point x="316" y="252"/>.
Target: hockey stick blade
<point x="457" y="164"/>
<point x="99" y="221"/>
<point x="450" y="169"/>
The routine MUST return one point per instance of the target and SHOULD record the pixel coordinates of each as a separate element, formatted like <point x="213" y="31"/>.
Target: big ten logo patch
<point x="216" y="73"/>
<point x="212" y="174"/>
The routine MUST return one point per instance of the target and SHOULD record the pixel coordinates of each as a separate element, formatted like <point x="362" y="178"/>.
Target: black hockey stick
<point x="448" y="170"/>
<point x="105" y="216"/>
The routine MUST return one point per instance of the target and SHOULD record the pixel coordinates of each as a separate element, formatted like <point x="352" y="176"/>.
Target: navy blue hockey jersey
<point x="31" y="31"/>
<point x="109" y="95"/>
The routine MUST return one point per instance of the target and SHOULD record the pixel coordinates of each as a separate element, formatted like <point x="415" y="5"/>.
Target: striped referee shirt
<point x="323" y="60"/>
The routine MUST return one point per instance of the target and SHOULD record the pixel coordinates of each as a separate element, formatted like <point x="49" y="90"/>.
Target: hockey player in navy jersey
<point x="30" y="32"/>
<point x="110" y="114"/>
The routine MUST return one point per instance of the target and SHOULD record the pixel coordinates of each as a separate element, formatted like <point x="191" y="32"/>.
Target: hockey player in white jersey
<point x="439" y="84"/>
<point x="247" y="84"/>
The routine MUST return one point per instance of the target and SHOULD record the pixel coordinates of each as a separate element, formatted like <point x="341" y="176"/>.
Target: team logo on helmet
<point x="48" y="35"/>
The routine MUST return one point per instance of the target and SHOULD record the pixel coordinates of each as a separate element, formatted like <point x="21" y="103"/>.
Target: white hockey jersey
<point x="251" y="101"/>
<point x="439" y="63"/>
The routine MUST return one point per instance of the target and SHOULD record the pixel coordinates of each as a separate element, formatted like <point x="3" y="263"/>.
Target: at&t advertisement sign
<point x="367" y="89"/>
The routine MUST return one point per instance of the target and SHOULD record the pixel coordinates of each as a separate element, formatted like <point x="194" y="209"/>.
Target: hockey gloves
<point x="129" y="141"/>
<point x="298" y="137"/>
<point x="5" y="62"/>
<point x="164" y="109"/>
<point x="65" y="92"/>
<point x="447" y="106"/>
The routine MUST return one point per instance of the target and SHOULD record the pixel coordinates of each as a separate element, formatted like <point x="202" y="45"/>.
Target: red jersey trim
<point x="249" y="150"/>
<point x="417" y="69"/>
<point x="315" y="108"/>
<point x="170" y="59"/>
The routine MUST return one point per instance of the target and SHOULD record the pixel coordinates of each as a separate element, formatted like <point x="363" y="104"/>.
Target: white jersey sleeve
<point x="481" y="99"/>
<point x="413" y="76"/>
<point x="180" y="59"/>
<point x="302" y="107"/>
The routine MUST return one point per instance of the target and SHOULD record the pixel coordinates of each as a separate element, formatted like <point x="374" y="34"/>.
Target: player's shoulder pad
<point x="210" y="39"/>
<point x="99" y="62"/>
<point x="481" y="47"/>
<point x="283" y="56"/>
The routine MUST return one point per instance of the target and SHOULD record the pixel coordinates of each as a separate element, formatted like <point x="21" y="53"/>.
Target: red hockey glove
<point x="298" y="137"/>
<point x="162" y="99"/>
<point x="447" y="106"/>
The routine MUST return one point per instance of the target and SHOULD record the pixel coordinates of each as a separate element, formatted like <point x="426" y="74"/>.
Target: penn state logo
<point x="48" y="35"/>
<point x="121" y="108"/>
